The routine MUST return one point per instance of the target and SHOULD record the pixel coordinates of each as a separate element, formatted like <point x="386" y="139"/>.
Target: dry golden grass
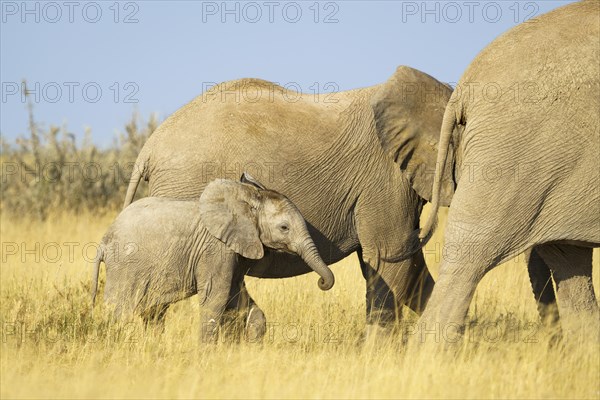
<point x="53" y="348"/>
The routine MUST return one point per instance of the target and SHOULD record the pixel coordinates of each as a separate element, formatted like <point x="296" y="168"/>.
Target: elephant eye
<point x="284" y="228"/>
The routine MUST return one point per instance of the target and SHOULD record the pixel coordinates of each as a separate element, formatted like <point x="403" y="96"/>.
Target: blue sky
<point x="94" y="63"/>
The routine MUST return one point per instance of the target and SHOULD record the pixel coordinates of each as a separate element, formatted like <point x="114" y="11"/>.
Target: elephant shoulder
<point x="242" y="90"/>
<point x="256" y="83"/>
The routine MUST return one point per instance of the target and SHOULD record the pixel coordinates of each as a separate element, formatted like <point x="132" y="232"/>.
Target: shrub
<point x="49" y="171"/>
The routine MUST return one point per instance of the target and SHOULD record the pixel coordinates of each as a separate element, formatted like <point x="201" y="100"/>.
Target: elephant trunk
<point x="308" y="251"/>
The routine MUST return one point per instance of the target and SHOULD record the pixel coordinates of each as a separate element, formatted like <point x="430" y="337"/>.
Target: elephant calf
<point x="159" y="251"/>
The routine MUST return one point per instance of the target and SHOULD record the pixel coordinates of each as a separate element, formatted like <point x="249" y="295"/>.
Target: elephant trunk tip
<point x="326" y="284"/>
<point x="308" y="252"/>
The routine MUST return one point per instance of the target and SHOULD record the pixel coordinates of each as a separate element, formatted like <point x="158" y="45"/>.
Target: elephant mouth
<point x="281" y="250"/>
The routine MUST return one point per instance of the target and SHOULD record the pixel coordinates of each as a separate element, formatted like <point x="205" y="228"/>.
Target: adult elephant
<point x="517" y="163"/>
<point x="324" y="155"/>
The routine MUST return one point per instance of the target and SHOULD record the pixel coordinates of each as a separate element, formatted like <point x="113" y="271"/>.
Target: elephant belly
<point x="134" y="287"/>
<point x="277" y="265"/>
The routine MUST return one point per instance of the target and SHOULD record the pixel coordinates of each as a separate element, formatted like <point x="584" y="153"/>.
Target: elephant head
<point x="408" y="110"/>
<point x="245" y="216"/>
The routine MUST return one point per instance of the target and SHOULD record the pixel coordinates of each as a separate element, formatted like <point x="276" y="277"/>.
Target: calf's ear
<point x="227" y="212"/>
<point x="248" y="179"/>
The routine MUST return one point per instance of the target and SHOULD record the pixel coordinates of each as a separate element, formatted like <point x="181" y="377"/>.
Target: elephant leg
<point x="381" y="302"/>
<point x="543" y="290"/>
<point x="390" y="285"/>
<point x="232" y="320"/>
<point x="444" y="317"/>
<point x="214" y="284"/>
<point x="242" y="315"/>
<point x="471" y="249"/>
<point x="572" y="271"/>
<point x="421" y="284"/>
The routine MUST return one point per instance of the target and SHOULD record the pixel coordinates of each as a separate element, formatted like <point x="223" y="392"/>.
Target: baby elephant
<point x="159" y="251"/>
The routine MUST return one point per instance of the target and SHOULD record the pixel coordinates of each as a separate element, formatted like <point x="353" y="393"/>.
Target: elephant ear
<point x="248" y="179"/>
<point x="408" y="111"/>
<point x="228" y="211"/>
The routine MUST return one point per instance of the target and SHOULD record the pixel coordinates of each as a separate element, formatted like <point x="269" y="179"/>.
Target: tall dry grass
<point x="52" y="346"/>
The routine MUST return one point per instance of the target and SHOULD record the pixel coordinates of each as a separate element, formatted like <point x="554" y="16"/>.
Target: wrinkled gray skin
<point x="519" y="170"/>
<point x="159" y="251"/>
<point x="324" y="154"/>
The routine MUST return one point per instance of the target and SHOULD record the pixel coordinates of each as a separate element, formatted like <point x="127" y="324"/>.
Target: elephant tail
<point x="449" y="122"/>
<point x="139" y="168"/>
<point x="96" y="273"/>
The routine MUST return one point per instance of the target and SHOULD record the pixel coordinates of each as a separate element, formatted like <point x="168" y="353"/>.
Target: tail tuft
<point x="426" y="234"/>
